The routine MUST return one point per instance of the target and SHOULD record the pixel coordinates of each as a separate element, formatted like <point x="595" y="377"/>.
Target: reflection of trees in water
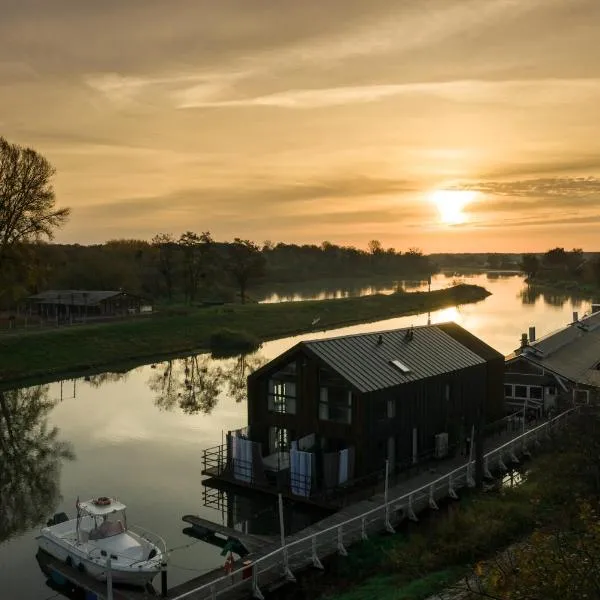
<point x="529" y="294"/>
<point x="193" y="384"/>
<point x="31" y="458"/>
<point x="235" y="376"/>
<point x="101" y="378"/>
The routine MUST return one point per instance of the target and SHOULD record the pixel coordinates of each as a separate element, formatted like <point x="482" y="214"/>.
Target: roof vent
<point x="532" y="334"/>
<point x="575" y="317"/>
<point x="379" y="340"/>
<point x="524" y="341"/>
<point x="400" y="366"/>
<point x="410" y="334"/>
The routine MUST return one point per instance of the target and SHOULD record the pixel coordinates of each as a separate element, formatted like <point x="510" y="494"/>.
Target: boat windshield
<point x="108" y="526"/>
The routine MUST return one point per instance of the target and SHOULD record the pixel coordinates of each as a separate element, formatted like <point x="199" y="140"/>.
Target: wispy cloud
<point x="514" y="92"/>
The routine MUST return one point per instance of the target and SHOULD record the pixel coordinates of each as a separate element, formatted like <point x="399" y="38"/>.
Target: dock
<point x="219" y="535"/>
<point x="268" y="565"/>
<point x="52" y="566"/>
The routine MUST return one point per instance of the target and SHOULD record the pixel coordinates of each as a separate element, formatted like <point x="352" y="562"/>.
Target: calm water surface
<point x="139" y="435"/>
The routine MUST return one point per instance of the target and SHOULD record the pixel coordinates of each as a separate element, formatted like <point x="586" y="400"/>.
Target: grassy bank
<point x="84" y="347"/>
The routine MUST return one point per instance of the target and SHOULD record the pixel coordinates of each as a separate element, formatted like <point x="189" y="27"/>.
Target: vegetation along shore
<point x="75" y="349"/>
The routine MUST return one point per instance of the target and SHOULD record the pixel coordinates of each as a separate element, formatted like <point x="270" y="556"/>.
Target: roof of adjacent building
<point x="572" y="352"/>
<point x="75" y="297"/>
<point x="365" y="360"/>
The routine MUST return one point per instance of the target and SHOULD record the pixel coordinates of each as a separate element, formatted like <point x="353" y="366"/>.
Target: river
<point x="139" y="435"/>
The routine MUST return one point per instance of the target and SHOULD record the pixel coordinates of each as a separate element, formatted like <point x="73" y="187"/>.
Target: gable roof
<point x="427" y="351"/>
<point x="75" y="297"/>
<point x="572" y="352"/>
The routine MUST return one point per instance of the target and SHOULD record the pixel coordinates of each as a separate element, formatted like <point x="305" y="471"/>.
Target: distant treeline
<point x="194" y="267"/>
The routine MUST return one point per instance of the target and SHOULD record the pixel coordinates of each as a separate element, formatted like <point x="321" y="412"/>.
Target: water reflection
<point x="30" y="460"/>
<point x="194" y="384"/>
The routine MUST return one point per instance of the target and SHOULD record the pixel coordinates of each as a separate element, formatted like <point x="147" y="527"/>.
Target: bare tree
<point x="246" y="262"/>
<point x="27" y="202"/>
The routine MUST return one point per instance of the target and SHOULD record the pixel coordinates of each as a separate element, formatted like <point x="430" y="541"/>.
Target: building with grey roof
<point x="403" y="395"/>
<point x="81" y="304"/>
<point x="562" y="365"/>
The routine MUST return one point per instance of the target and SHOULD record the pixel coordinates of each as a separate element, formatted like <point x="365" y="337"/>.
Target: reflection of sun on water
<point x="447" y="314"/>
<point x="450" y="204"/>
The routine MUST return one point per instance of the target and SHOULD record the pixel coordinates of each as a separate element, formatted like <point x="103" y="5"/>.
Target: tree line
<point x="560" y="265"/>
<point x="189" y="268"/>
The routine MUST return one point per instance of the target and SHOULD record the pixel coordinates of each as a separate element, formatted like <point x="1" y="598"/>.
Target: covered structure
<point x="564" y="365"/>
<point x="330" y="411"/>
<point x="80" y="304"/>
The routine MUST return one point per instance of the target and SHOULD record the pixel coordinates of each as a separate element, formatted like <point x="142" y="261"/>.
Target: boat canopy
<point x="101" y="506"/>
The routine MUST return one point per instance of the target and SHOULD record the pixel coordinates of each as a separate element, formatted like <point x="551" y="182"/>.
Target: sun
<point x="450" y="204"/>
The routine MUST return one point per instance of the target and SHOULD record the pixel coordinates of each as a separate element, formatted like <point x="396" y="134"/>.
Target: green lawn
<point x="82" y="347"/>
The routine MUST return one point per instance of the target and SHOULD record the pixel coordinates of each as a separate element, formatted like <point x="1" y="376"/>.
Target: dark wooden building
<point x="561" y="368"/>
<point x="347" y="404"/>
<point x="80" y="304"/>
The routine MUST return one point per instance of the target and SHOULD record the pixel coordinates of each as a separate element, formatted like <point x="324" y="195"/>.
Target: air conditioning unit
<point x="441" y="445"/>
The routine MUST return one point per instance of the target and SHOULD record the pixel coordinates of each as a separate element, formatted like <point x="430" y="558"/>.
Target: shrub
<point x="229" y="342"/>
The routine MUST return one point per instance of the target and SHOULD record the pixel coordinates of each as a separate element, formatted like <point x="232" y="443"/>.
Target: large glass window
<point x="535" y="393"/>
<point x="335" y="404"/>
<point x="520" y="391"/>
<point x="282" y="390"/>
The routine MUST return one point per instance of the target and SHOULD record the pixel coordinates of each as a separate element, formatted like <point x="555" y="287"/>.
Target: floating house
<point x="80" y="304"/>
<point x="331" y="412"/>
<point x="563" y="366"/>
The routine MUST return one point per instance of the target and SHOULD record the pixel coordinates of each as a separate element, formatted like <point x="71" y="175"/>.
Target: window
<point x="535" y="392"/>
<point x="400" y="366"/>
<point x="335" y="404"/>
<point x="520" y="391"/>
<point x="279" y="439"/>
<point x="391" y="408"/>
<point x="282" y="396"/>
<point x="551" y="390"/>
<point x="508" y="391"/>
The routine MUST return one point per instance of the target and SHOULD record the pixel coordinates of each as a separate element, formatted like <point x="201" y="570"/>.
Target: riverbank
<point x="78" y="349"/>
<point x="464" y="538"/>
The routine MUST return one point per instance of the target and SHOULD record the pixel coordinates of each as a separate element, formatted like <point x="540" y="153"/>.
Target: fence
<point x="306" y="551"/>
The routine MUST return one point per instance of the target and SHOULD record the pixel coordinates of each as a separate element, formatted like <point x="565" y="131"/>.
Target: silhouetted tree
<point x="167" y="248"/>
<point x="530" y="264"/>
<point x="245" y="263"/>
<point x="195" y="250"/>
<point x="27" y="202"/>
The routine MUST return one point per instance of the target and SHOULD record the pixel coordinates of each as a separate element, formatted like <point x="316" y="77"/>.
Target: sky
<point x="446" y="125"/>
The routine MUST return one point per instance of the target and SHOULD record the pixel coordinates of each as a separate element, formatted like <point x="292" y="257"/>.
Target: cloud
<point x="521" y="93"/>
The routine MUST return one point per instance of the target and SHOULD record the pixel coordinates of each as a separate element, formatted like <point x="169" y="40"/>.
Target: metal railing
<point x="306" y="551"/>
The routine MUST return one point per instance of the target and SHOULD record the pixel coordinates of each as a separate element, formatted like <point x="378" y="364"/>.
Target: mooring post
<point x="109" y="586"/>
<point x="388" y="525"/>
<point x="163" y="579"/>
<point x="286" y="566"/>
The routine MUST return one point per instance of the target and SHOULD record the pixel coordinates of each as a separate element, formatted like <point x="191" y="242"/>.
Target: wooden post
<point x="109" y="586"/>
<point x="163" y="579"/>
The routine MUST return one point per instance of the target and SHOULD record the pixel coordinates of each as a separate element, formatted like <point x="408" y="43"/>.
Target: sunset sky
<point x="305" y="120"/>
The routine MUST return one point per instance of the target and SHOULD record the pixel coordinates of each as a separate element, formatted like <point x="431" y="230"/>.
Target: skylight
<point x="400" y="366"/>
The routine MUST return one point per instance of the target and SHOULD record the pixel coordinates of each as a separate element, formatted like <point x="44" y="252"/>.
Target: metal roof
<point x="427" y="351"/>
<point x="572" y="352"/>
<point x="74" y="297"/>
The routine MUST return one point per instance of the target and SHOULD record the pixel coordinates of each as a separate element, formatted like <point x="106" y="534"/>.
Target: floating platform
<point x="221" y="536"/>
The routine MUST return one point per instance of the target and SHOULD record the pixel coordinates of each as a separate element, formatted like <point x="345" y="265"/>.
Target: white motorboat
<point x="100" y="538"/>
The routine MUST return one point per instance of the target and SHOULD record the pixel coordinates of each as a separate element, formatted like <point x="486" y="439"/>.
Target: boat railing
<point x="150" y="536"/>
<point x="297" y="552"/>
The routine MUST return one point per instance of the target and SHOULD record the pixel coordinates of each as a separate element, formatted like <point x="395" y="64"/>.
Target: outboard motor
<point x="60" y="517"/>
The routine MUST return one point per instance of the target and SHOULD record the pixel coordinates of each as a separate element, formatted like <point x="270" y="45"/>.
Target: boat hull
<point x="96" y="568"/>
